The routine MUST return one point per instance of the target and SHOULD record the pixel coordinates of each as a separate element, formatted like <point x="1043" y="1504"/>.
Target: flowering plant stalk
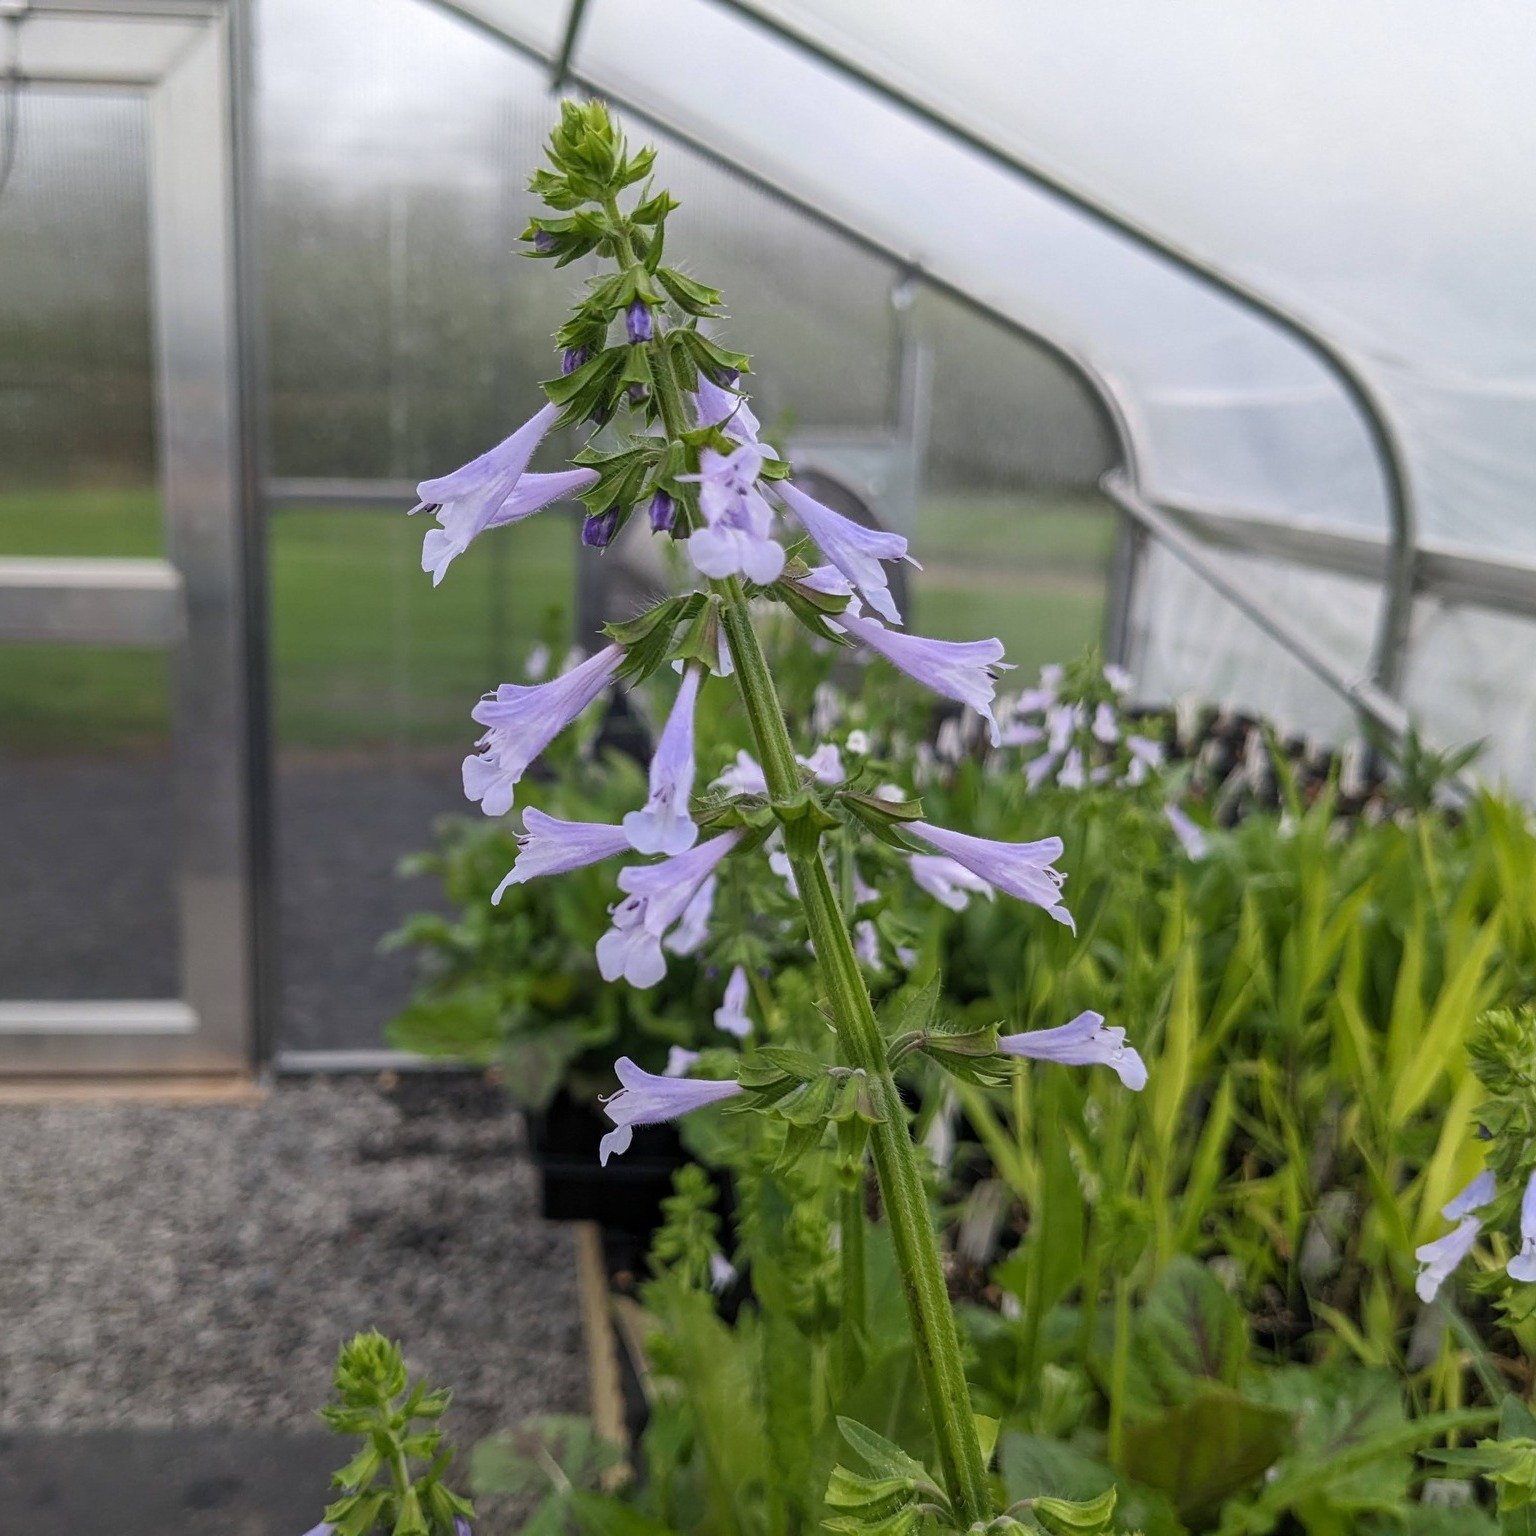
<point x="691" y="461"/>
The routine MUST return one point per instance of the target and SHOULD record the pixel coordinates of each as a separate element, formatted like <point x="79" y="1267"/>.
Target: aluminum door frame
<point x="182" y="55"/>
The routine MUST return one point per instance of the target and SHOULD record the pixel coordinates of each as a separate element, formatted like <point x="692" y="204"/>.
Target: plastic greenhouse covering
<point x="1357" y="168"/>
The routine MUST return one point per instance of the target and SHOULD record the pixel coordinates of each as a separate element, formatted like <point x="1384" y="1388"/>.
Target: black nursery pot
<point x="625" y="1196"/>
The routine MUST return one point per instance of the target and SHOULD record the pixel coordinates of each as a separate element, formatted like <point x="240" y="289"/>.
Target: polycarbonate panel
<point x="77" y="448"/>
<point x="1471" y="679"/>
<point x="1186" y="640"/>
<point x="1231" y="412"/>
<point x="1356" y="163"/>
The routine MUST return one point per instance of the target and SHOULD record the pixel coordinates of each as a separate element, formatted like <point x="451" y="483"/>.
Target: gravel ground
<point x="174" y="1266"/>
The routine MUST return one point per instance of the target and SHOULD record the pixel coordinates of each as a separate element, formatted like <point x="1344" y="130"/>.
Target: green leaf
<point x="1204" y="1451"/>
<point x="1189" y="1329"/>
<point x="886" y="1459"/>
<point x="1072" y="1517"/>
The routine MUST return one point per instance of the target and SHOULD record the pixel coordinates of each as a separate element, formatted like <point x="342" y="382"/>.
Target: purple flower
<point x="637" y="321"/>
<point x="724" y="408"/>
<point x="866" y="944"/>
<point x="598" y="530"/>
<point x="1438" y="1259"/>
<point x="522" y="719"/>
<point x="1021" y="870"/>
<point x="645" y="1099"/>
<point x="1191" y="838"/>
<point x="963" y="670"/>
<point x="1072" y="775"/>
<point x="659" y="896"/>
<point x="743" y="777"/>
<point x="461" y="1526"/>
<point x="831" y="581"/>
<point x="325" y="1528"/>
<point x="663" y="513"/>
<point x="491" y="491"/>
<point x="693" y="926"/>
<point x="1474" y="1197"/>
<point x="629" y="949"/>
<point x="663" y="825"/>
<point x="736" y="537"/>
<point x="1523" y="1265"/>
<point x="946" y="881"/>
<point x="722" y="1273"/>
<point x="1085" y="1042"/>
<point x="731" y="1015"/>
<point x="1118" y="678"/>
<point x="549" y="846"/>
<point x="680" y="1061"/>
<point x="825" y="764"/>
<point x="573" y="358"/>
<point x="854" y="549"/>
<point x="1106" y="727"/>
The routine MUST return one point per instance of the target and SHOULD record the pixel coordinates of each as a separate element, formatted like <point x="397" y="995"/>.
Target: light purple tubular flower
<point x="1106" y="727"/>
<point x="1118" y="678"/>
<point x="663" y="826"/>
<point x="1438" y="1259"/>
<point x="461" y="1526"/>
<point x="668" y="887"/>
<point x="573" y="358"/>
<point x="1084" y="1042"/>
<point x="598" y="530"/>
<point x="855" y="550"/>
<point x="1474" y="1197"/>
<point x="963" y="670"/>
<point x="522" y="719"/>
<point x="1021" y="870"/>
<point x="946" y="881"/>
<point x="1072" y="775"/>
<point x="731" y="1015"/>
<point x="743" y="777"/>
<point x="1191" y="838"/>
<point x="629" y="949"/>
<point x="866" y="944"/>
<point x="680" y="1061"/>
<point x="663" y="513"/>
<point x="722" y="1273"/>
<point x="1523" y="1265"/>
<point x="490" y="491"/>
<point x="549" y="846"/>
<point x="724" y="408"/>
<point x="646" y="1099"/>
<point x="325" y="1528"/>
<point x="828" y="579"/>
<point x="693" y="926"/>
<point x="736" y="538"/>
<point x="778" y="862"/>
<point x="637" y="321"/>
<point x="659" y="897"/>
<point x="825" y="764"/>
<point x="1020" y="733"/>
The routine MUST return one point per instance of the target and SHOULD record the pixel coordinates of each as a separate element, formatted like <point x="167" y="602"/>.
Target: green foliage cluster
<point x="1201" y="1295"/>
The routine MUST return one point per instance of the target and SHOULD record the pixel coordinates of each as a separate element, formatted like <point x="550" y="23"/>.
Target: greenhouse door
<point x="125" y="725"/>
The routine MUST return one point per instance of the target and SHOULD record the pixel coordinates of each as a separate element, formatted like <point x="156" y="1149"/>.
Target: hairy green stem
<point x="851" y="1274"/>
<point x="896" y="1165"/>
<point x="895" y="1158"/>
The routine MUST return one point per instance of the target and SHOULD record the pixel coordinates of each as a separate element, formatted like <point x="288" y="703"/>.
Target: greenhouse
<point x="789" y="739"/>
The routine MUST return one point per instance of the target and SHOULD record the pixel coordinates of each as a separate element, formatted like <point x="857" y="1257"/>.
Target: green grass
<point x="365" y="652"/>
<point x="1028" y="569"/>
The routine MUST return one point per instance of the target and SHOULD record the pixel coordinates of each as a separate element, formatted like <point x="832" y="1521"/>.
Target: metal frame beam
<point x="1389" y="655"/>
